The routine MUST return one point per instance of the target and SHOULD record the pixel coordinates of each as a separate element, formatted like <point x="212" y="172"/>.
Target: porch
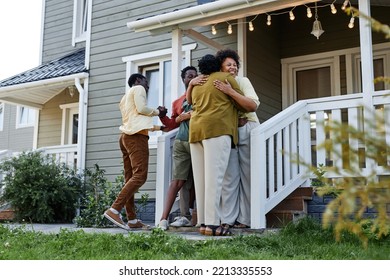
<point x="294" y="133"/>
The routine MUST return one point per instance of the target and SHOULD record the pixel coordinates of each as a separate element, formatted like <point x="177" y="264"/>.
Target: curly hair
<point x="208" y="64"/>
<point x="221" y="55"/>
<point x="183" y="72"/>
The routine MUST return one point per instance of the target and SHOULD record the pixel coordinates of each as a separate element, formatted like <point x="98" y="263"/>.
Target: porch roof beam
<point x="198" y="37"/>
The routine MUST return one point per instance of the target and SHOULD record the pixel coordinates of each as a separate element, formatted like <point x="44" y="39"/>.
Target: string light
<point x="268" y="20"/>
<point x="251" y="28"/>
<point x="333" y="8"/>
<point x="292" y="17"/>
<point x="213" y="30"/>
<point x="344" y="4"/>
<point x="309" y="14"/>
<point x="230" y="30"/>
<point x="351" y="22"/>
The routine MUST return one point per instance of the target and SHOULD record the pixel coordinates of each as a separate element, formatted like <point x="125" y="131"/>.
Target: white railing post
<point x="258" y="179"/>
<point x="164" y="170"/>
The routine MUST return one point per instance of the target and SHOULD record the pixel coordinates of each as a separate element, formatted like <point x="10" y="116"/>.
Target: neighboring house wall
<point x="12" y="138"/>
<point x="51" y="118"/>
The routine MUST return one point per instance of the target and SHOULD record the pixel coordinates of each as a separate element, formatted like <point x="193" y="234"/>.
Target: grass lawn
<point x="305" y="240"/>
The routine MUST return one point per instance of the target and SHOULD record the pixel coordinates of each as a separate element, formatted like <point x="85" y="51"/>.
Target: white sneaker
<point x="181" y="222"/>
<point x="163" y="224"/>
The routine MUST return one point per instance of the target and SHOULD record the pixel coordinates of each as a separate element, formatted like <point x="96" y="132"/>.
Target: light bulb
<point x="213" y="30"/>
<point x="333" y="9"/>
<point x="309" y="14"/>
<point x="230" y="30"/>
<point x="344" y="5"/>
<point x="292" y="17"/>
<point x="269" y="20"/>
<point x="351" y="22"/>
<point x="251" y="28"/>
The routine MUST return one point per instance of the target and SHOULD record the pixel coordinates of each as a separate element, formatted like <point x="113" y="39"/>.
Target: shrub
<point x="39" y="189"/>
<point x="97" y="195"/>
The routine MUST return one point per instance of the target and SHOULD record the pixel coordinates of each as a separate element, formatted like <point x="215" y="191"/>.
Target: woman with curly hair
<point x="213" y="132"/>
<point x="235" y="201"/>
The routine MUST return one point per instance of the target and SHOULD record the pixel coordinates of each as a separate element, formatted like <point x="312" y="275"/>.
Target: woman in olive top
<point x="213" y="132"/>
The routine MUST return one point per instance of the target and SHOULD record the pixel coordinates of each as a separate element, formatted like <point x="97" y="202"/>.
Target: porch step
<point x="278" y="219"/>
<point x="290" y="209"/>
<point x="7" y="215"/>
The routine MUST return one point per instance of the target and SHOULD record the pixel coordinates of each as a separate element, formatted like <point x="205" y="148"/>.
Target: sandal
<point x="239" y="225"/>
<point x="202" y="229"/>
<point x="217" y="231"/>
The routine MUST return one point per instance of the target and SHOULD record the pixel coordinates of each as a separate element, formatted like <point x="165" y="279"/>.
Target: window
<point x="157" y="68"/>
<point x="70" y="123"/>
<point x="81" y="15"/>
<point x="25" y="117"/>
<point x="1" y="115"/>
<point x="330" y="74"/>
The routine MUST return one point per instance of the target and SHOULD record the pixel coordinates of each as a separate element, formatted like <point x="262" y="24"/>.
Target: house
<point x="90" y="47"/>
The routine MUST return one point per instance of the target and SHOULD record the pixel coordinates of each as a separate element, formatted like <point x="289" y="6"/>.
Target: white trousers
<point x="236" y="195"/>
<point x="209" y="162"/>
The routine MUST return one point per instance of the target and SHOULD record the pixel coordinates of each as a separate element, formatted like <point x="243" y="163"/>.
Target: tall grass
<point x="305" y="240"/>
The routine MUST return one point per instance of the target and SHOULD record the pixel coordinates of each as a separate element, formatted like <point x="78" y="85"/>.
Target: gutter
<point x="45" y="82"/>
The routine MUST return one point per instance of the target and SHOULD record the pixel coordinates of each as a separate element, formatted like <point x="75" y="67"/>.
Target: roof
<point x="33" y="88"/>
<point x="69" y="64"/>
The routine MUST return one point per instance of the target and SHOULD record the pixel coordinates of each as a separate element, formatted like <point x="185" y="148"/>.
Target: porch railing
<point x="277" y="144"/>
<point x="296" y="132"/>
<point x="62" y="154"/>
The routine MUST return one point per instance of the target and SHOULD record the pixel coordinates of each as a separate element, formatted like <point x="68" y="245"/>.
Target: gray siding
<point x="110" y="41"/>
<point x="50" y="121"/>
<point x="11" y="138"/>
<point x="57" y="33"/>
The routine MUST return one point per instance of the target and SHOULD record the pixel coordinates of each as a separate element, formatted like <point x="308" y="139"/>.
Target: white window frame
<point x="81" y="18"/>
<point x="380" y="52"/>
<point x="352" y="60"/>
<point x="2" y="108"/>
<point x="135" y="62"/>
<point x="68" y="110"/>
<point x="32" y="116"/>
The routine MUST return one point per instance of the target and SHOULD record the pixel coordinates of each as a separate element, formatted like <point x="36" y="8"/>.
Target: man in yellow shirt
<point x="137" y="121"/>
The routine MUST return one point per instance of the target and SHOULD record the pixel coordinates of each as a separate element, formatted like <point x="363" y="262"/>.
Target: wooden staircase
<point x="291" y="208"/>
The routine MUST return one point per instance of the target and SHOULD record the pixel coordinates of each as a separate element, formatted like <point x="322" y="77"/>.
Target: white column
<point x="176" y="63"/>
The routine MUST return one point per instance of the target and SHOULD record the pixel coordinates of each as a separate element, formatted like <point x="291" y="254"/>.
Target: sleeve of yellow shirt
<point x="141" y="102"/>
<point x="248" y="90"/>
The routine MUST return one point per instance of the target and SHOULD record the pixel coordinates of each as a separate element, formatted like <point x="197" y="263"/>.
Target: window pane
<point x="379" y="72"/>
<point x="26" y="116"/>
<point x="75" y="128"/>
<point x="313" y="83"/>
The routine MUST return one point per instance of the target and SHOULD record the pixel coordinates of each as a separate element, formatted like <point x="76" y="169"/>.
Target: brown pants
<point x="135" y="152"/>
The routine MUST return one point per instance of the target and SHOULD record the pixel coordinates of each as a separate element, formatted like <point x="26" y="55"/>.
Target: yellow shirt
<point x="136" y="116"/>
<point x="248" y="90"/>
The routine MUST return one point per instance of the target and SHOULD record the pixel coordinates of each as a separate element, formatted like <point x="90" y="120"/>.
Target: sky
<point x="20" y="34"/>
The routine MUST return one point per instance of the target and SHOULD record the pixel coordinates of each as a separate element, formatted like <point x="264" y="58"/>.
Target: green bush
<point x="97" y="195"/>
<point x="39" y="189"/>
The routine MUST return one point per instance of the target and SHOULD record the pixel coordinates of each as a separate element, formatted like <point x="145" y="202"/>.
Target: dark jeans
<point x="135" y="152"/>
